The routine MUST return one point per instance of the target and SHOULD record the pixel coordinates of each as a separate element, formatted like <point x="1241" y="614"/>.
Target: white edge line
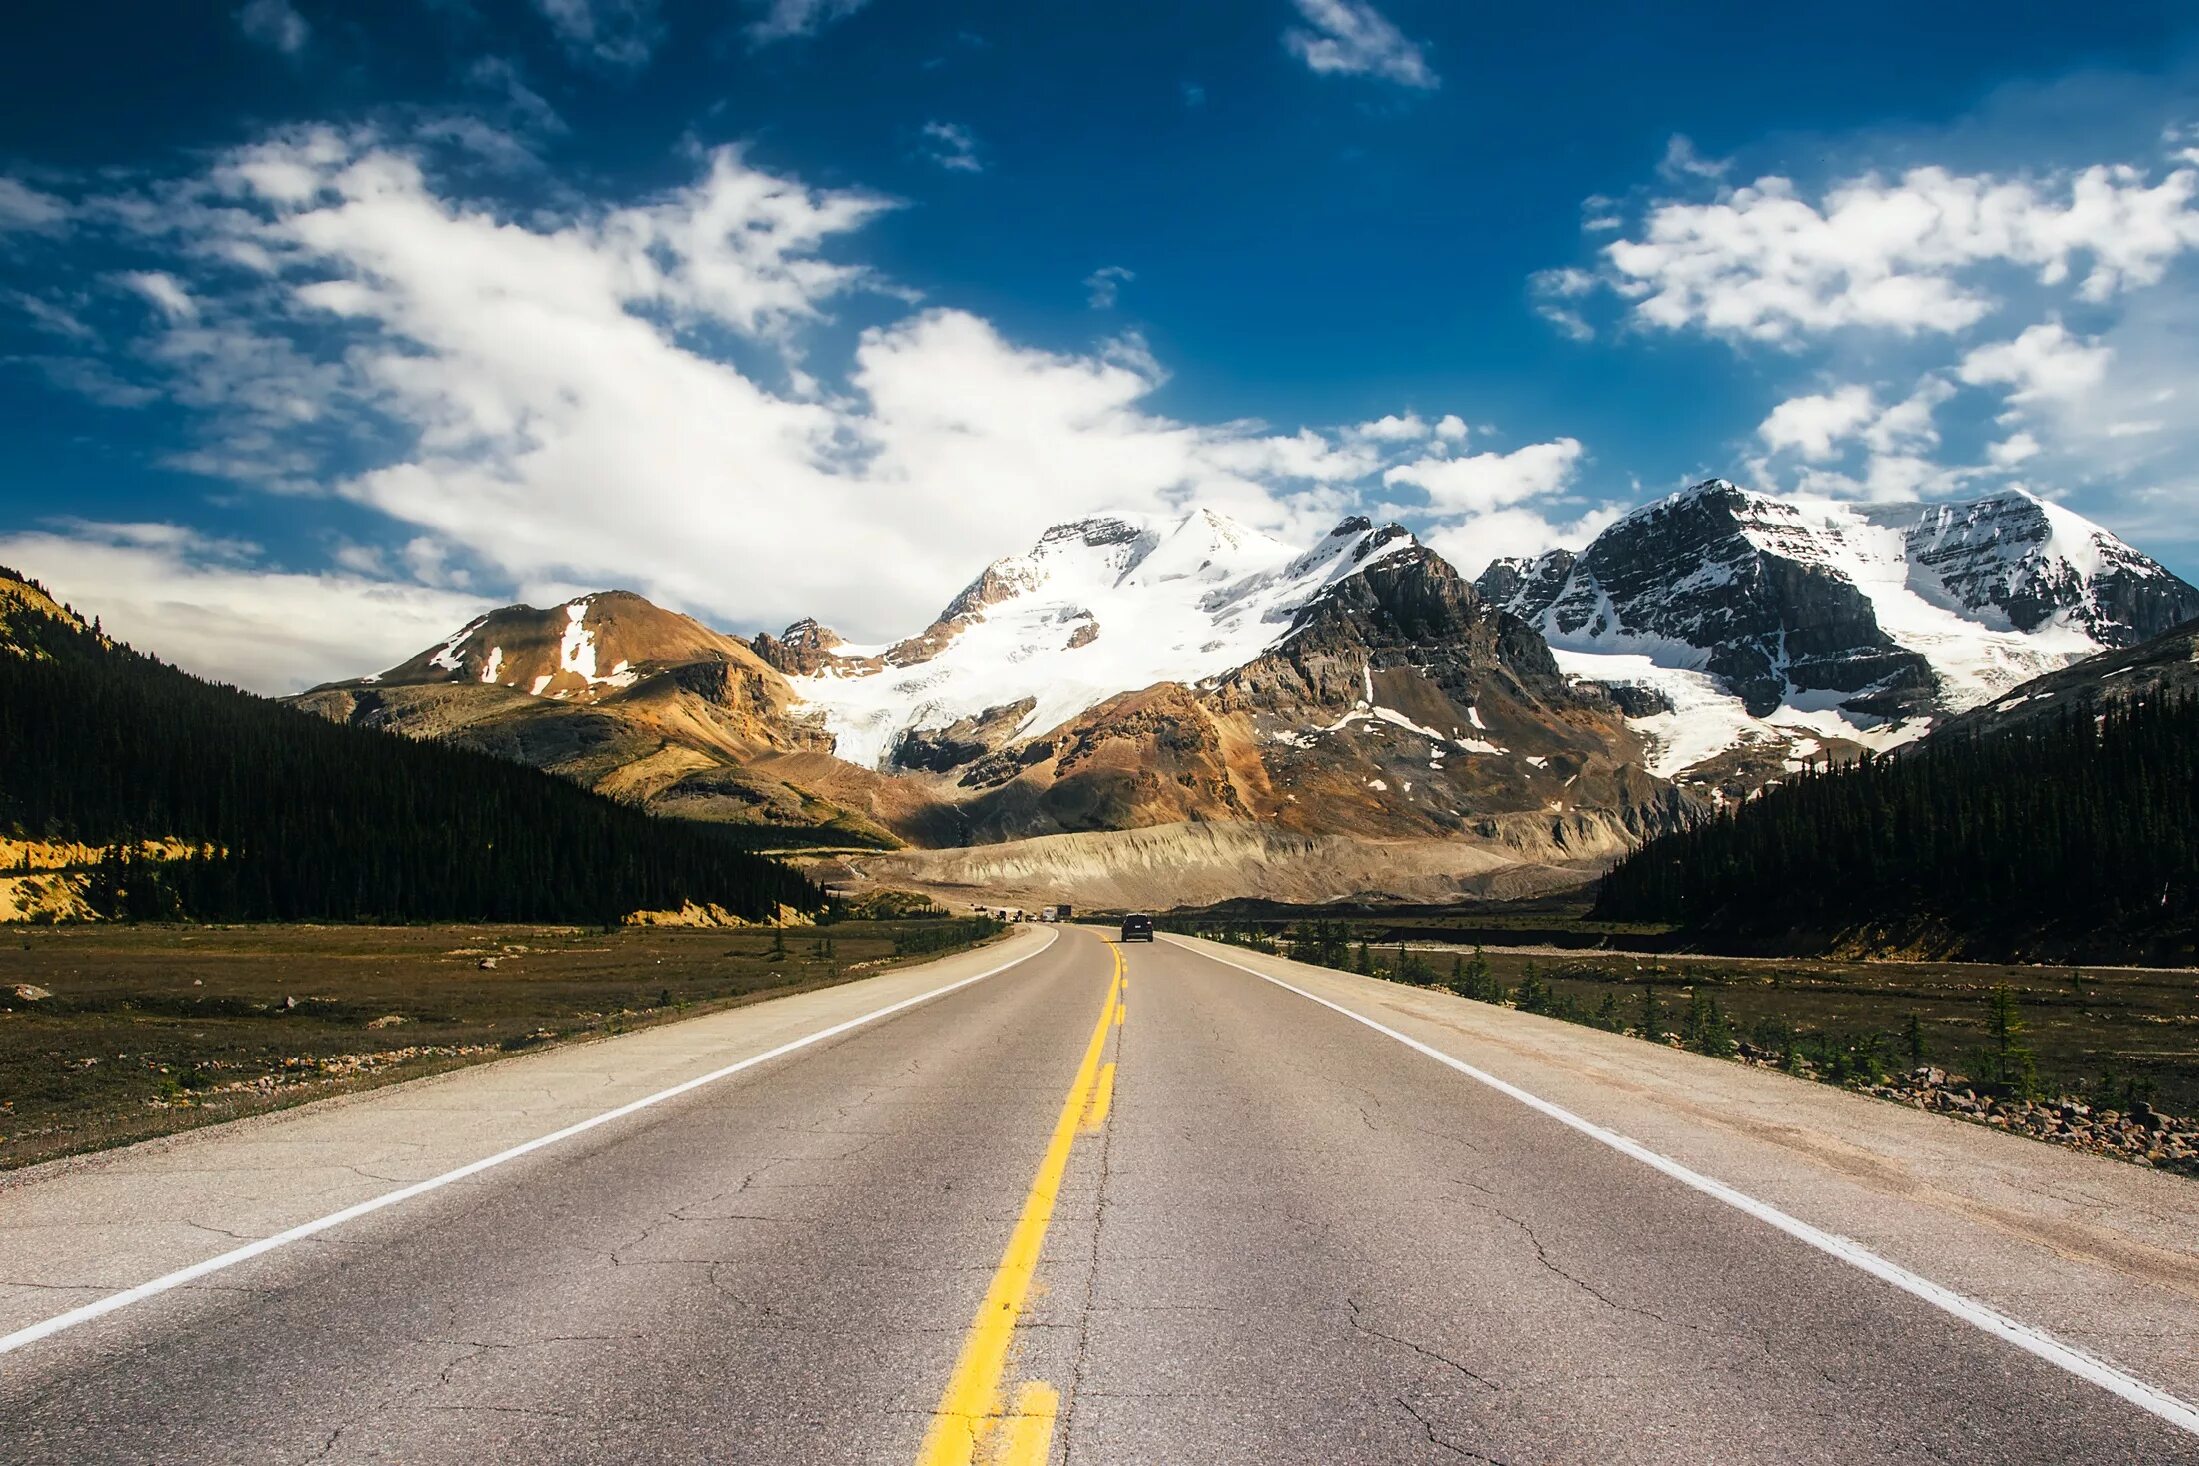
<point x="32" y="1333"/>
<point x="2031" y="1340"/>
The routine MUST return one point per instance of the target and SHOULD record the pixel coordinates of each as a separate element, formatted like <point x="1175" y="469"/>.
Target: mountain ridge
<point x="1138" y="671"/>
<point x="1762" y="631"/>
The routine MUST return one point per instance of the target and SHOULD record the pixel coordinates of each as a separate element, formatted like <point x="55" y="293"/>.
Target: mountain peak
<point x="582" y="648"/>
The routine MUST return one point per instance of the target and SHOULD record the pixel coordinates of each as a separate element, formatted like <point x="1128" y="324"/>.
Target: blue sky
<point x="323" y="326"/>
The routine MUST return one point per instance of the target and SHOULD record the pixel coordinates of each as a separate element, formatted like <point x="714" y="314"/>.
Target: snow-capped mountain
<point x="584" y="650"/>
<point x="1742" y="629"/>
<point x="1096" y="608"/>
<point x="1132" y="673"/>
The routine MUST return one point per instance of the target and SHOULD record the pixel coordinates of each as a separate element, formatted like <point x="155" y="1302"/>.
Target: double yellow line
<point x="975" y="1420"/>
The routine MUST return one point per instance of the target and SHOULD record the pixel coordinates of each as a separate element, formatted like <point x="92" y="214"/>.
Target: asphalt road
<point x="1266" y="1234"/>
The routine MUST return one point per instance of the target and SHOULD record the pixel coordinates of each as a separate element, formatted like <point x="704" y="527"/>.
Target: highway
<point x="1129" y="1205"/>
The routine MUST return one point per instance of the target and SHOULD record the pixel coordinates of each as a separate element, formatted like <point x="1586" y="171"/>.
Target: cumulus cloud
<point x="2045" y="362"/>
<point x="1352" y="38"/>
<point x="953" y="147"/>
<point x="1394" y="428"/>
<point x="1911" y="254"/>
<point x="1471" y="543"/>
<point x="1480" y="482"/>
<point x="529" y="402"/>
<point x="1821" y="426"/>
<point x="274" y="24"/>
<point x="1816" y="425"/>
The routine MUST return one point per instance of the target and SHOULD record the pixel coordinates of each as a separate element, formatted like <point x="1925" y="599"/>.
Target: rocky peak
<point x="585" y="649"/>
<point x="800" y="650"/>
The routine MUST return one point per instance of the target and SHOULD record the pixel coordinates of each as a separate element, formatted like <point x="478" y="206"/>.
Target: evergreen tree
<point x="296" y="818"/>
<point x="2085" y="827"/>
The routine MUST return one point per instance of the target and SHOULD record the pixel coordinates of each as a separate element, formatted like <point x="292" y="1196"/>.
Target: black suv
<point x="1137" y="928"/>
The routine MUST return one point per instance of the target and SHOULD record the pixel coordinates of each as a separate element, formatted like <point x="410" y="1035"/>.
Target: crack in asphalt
<point x="1427" y="1427"/>
<point x="1738" y="1327"/>
<point x="1359" y="1322"/>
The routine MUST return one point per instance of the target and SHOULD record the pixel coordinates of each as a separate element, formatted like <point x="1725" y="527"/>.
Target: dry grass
<point x="153" y="1029"/>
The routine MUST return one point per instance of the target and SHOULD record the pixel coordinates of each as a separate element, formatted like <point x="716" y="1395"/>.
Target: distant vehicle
<point x="1054" y="913"/>
<point x="1137" y="927"/>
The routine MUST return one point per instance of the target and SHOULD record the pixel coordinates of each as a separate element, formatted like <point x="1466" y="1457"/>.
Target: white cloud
<point x="1471" y="543"/>
<point x="550" y="401"/>
<point x="1104" y="285"/>
<point x="2044" y="363"/>
<point x="1681" y="162"/>
<point x="160" y="287"/>
<point x="1816" y="426"/>
<point x="785" y="19"/>
<point x="1910" y="423"/>
<point x="217" y="610"/>
<point x="1352" y="38"/>
<point x="1481" y="482"/>
<point x="614" y="32"/>
<point x="953" y="147"/>
<point x="24" y="207"/>
<point x="275" y="25"/>
<point x="1822" y="426"/>
<point x="1765" y="262"/>
<point x="2012" y="450"/>
<point x="626" y="394"/>
<point x="1394" y="428"/>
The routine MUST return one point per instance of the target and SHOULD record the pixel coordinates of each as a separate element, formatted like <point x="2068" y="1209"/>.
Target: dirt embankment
<point x="1164" y="866"/>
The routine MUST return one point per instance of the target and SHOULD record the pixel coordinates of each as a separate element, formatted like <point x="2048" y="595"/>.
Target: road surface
<point x="1107" y="1206"/>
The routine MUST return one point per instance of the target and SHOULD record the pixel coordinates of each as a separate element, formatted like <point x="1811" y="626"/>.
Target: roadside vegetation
<point x="2105" y="1060"/>
<point x="111" y="1033"/>
<point x="2076" y="837"/>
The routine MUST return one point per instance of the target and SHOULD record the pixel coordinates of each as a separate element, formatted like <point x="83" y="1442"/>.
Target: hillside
<point x="2061" y="822"/>
<point x="291" y="817"/>
<point x="636" y="702"/>
<point x="2168" y="665"/>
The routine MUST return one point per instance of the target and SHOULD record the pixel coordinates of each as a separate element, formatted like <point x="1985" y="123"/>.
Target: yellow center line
<point x="1103" y="1094"/>
<point x="974" y="1407"/>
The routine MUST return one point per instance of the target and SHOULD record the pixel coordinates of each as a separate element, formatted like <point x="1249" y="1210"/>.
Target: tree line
<point x="2081" y="831"/>
<point x="301" y="819"/>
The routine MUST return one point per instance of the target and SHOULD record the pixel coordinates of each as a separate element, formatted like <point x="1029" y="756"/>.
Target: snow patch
<point x="1706" y="720"/>
<point x="447" y="658"/>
